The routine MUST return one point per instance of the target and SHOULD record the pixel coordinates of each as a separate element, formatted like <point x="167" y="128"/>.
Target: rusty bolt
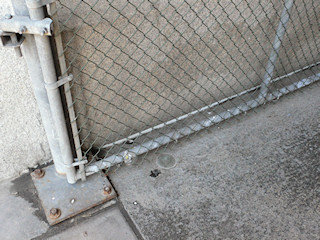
<point x="55" y="213"/>
<point x="107" y="190"/>
<point x="39" y="173"/>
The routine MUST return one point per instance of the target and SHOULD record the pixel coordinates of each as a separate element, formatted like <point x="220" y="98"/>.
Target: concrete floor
<point x="22" y="217"/>
<point x="255" y="177"/>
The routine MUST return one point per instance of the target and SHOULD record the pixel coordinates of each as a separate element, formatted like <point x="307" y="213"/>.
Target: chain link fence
<point x="146" y="73"/>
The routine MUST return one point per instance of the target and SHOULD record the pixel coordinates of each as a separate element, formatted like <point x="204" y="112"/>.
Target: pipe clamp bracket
<point x="24" y="25"/>
<point x="60" y="82"/>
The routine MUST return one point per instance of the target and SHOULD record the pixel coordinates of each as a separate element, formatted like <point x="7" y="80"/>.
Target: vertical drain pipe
<point x="275" y="48"/>
<point x="50" y="78"/>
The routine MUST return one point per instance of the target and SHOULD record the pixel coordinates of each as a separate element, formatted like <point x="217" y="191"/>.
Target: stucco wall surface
<point x="23" y="142"/>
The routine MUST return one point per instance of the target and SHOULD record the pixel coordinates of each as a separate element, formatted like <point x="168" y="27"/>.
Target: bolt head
<point x="39" y="173"/>
<point x="8" y="16"/>
<point x="55" y="213"/>
<point x="22" y="29"/>
<point x="44" y="31"/>
<point x="107" y="190"/>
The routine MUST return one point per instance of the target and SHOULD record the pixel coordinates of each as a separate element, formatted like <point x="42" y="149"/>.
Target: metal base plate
<point x="71" y="199"/>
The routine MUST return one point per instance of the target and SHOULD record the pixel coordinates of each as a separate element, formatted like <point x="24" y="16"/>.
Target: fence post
<point x="50" y="78"/>
<point x="275" y="48"/>
<point x="52" y="11"/>
<point x="31" y="34"/>
<point x="30" y="53"/>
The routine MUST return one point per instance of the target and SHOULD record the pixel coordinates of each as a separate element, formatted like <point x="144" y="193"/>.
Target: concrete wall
<point x="23" y="141"/>
<point x="140" y="63"/>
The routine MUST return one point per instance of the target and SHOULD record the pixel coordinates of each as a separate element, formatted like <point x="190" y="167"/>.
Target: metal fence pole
<point x="63" y="67"/>
<point x="30" y="53"/>
<point x="50" y="78"/>
<point x="275" y="48"/>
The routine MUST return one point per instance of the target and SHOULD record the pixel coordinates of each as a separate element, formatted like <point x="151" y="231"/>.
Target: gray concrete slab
<point x="257" y="177"/>
<point x="22" y="217"/>
<point x="17" y="216"/>
<point x="107" y="225"/>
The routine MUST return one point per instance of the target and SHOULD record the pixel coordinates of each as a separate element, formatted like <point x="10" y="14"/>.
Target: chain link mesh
<point x="149" y="72"/>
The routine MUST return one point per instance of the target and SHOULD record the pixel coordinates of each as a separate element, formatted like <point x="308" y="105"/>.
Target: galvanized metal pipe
<point x="172" y="121"/>
<point x="185" y="131"/>
<point x="23" y="24"/>
<point x="275" y="48"/>
<point x="52" y="10"/>
<point x="30" y="53"/>
<point x="50" y="77"/>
